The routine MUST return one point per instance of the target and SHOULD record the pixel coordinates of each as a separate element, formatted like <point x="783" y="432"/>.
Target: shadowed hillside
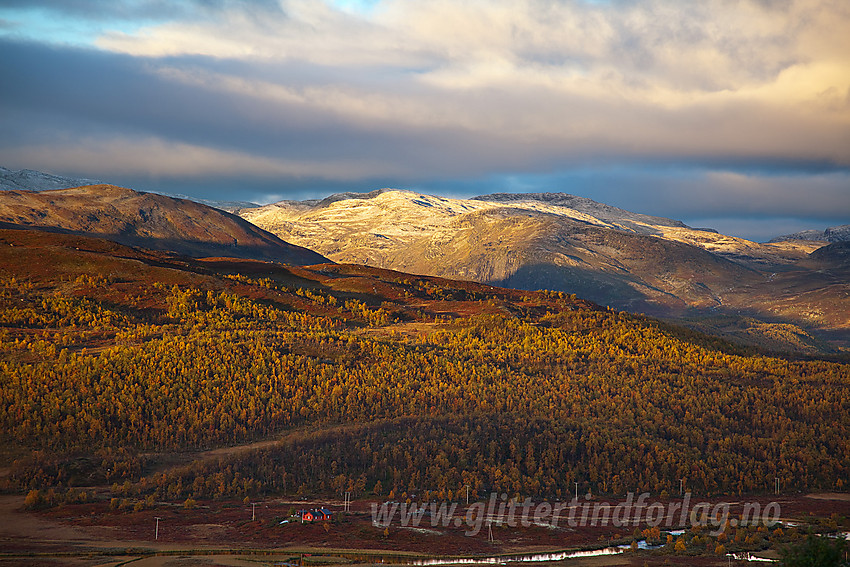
<point x="147" y="220"/>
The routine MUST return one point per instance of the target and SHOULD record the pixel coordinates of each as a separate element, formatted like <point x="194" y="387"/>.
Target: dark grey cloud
<point x="97" y="91"/>
<point x="88" y="92"/>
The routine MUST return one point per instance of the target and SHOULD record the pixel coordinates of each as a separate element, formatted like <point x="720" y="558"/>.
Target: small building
<point x="315" y="515"/>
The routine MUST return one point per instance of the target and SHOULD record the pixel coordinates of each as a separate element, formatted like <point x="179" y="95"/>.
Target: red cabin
<point x="315" y="515"/>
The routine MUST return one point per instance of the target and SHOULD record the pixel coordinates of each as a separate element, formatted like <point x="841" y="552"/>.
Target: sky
<point x="730" y="114"/>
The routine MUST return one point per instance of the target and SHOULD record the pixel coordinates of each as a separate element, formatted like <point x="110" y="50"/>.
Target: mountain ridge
<point x="583" y="204"/>
<point x="840" y="233"/>
<point x="148" y="220"/>
<point x="32" y="180"/>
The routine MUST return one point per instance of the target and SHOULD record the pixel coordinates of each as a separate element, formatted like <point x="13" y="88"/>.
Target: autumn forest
<point x="382" y="384"/>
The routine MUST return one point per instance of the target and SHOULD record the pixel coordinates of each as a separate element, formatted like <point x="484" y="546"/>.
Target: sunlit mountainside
<point x="771" y="294"/>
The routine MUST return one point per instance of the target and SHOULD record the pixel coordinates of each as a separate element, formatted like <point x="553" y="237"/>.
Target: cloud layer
<point x="752" y="97"/>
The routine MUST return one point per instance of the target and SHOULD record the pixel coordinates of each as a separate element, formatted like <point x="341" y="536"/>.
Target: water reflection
<point x="530" y="558"/>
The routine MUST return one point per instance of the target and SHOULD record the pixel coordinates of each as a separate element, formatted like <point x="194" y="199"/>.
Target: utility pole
<point x="576" y="490"/>
<point x="253" y="509"/>
<point x="489" y="531"/>
<point x="467" y="494"/>
<point x="156" y="533"/>
<point x="681" y="486"/>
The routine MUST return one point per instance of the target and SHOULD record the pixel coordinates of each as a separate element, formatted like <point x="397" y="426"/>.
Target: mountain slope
<point x="147" y="220"/>
<point x="773" y="255"/>
<point x="555" y="241"/>
<point x="832" y="234"/>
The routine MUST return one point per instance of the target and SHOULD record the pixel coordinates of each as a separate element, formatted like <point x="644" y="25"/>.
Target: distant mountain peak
<point x="330" y="199"/>
<point x="839" y="233"/>
<point x="30" y="180"/>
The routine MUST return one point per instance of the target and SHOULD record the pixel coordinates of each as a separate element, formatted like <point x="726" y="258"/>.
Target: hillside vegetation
<point x="380" y="382"/>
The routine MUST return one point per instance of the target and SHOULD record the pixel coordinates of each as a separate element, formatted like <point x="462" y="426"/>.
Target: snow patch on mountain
<point x="583" y="204"/>
<point x="379" y="223"/>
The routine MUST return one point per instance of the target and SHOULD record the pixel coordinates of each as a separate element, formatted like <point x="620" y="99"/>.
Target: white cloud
<point x="634" y="78"/>
<point x="712" y="45"/>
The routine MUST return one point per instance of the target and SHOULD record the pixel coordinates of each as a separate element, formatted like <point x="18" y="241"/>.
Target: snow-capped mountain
<point x="29" y="180"/>
<point x="566" y="202"/>
<point x="631" y="261"/>
<point x="628" y="260"/>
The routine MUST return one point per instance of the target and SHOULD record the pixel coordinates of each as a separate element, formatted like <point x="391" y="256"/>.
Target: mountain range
<point x="774" y="294"/>
<point x="789" y="293"/>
